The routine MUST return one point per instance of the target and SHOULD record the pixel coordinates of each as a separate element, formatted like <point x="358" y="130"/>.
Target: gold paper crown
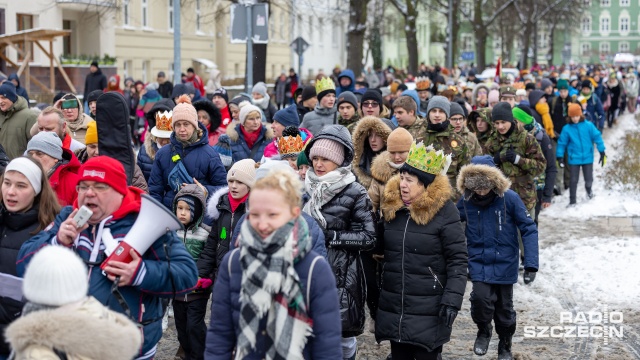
<point x="426" y="159"/>
<point x="163" y="120"/>
<point x="324" y="84"/>
<point x="289" y="145"/>
<point x="423" y="83"/>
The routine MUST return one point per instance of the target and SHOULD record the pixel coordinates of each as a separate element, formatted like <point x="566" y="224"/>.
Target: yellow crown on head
<point x="163" y="120"/>
<point x="324" y="84"/>
<point x="423" y="83"/>
<point x="427" y="159"/>
<point x="289" y="145"/>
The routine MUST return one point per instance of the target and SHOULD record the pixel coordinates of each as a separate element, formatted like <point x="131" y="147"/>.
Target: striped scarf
<point x="271" y="287"/>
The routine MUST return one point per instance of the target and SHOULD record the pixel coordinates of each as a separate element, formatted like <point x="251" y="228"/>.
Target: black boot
<point x="504" y="346"/>
<point x="484" y="337"/>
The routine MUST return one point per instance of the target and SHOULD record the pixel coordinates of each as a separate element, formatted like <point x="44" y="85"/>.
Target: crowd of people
<point x="301" y="208"/>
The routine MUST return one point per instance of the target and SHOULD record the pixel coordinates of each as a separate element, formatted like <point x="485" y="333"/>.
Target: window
<point x="125" y="12"/>
<point x="170" y="15"/>
<point x="24" y="22"/>
<point x="467" y="42"/>
<point x="623" y="47"/>
<point x="497" y="44"/>
<point x="604" y="48"/>
<point x="586" y="49"/>
<point x="127" y="68"/>
<point x="605" y="3"/>
<point x="467" y="8"/>
<point x="145" y="70"/>
<point x="624" y="2"/>
<point x="198" y="14"/>
<point x="282" y="23"/>
<point x="623" y="25"/>
<point x="145" y="22"/>
<point x="543" y="40"/>
<point x="586" y="24"/>
<point x="604" y="24"/>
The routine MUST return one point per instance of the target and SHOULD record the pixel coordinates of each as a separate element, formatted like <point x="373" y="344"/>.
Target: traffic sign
<point x="260" y="23"/>
<point x="299" y="45"/>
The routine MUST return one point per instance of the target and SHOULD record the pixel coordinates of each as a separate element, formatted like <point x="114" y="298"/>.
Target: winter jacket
<point x="319" y="291"/>
<point x="215" y="119"/>
<point x="165" y="89"/>
<point x="381" y="172"/>
<point x="351" y="123"/>
<point x="20" y="91"/>
<point x="631" y="86"/>
<point x="153" y="280"/>
<point x="271" y="150"/>
<point x="15" y="126"/>
<point x="451" y="143"/>
<point x="320" y="117"/>
<point x="94" y="81"/>
<point x="65" y="178"/>
<point x="614" y="91"/>
<point x="78" y="128"/>
<point x="417" y="129"/>
<point x="484" y="113"/>
<point x="577" y="140"/>
<point x="302" y="111"/>
<point x="138" y="177"/>
<point x="492" y="231"/>
<point x="363" y="155"/>
<point x="531" y="163"/>
<point x="352" y="87"/>
<point x="233" y="147"/>
<point x="200" y="161"/>
<point x="146" y="156"/>
<point x="595" y="110"/>
<point x="424" y="268"/>
<point x="82" y="331"/>
<point x="474" y="95"/>
<point x="546" y="180"/>
<point x="222" y="231"/>
<point x="559" y="108"/>
<point x="350" y="223"/>
<point x="473" y="144"/>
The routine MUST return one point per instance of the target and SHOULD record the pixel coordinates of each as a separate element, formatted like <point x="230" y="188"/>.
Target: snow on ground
<point x="608" y="201"/>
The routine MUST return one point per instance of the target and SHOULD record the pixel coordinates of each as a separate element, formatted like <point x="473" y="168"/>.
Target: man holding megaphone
<point x="123" y="243"/>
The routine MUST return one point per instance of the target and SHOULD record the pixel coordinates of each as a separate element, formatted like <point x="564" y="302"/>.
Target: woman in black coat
<point x="343" y="209"/>
<point x="425" y="260"/>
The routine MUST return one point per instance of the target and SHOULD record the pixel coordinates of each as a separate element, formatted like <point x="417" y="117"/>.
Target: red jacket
<point x="65" y="178"/>
<point x="197" y="83"/>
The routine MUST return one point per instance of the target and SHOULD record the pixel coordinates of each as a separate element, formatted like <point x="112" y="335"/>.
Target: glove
<point x="497" y="159"/>
<point x="203" y="283"/>
<point x="560" y="162"/>
<point x="511" y="156"/>
<point x="329" y="236"/>
<point x="448" y="315"/>
<point x="603" y="159"/>
<point x="529" y="275"/>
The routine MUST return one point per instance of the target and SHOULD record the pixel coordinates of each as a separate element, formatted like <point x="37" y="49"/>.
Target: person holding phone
<point x="74" y="116"/>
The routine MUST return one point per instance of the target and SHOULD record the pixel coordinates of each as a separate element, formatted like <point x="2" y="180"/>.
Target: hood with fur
<point x="196" y="192"/>
<point x="150" y="146"/>
<point x="380" y="168"/>
<point x="474" y="94"/>
<point x="234" y="134"/>
<point x="212" y="204"/>
<point x="361" y="140"/>
<point x="483" y="177"/>
<point x="214" y="113"/>
<point x="423" y="209"/>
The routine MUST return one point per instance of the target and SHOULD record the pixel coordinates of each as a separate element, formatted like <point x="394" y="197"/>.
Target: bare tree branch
<point x="499" y="11"/>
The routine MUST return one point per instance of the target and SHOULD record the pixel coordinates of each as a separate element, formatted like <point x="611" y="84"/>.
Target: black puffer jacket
<point x="426" y="237"/>
<point x="349" y="214"/>
<point x="224" y="222"/>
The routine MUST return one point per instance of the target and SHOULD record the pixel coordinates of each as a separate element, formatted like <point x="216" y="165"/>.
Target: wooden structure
<point x="35" y="36"/>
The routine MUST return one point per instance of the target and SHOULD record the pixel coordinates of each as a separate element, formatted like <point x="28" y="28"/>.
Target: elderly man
<point x="102" y="187"/>
<point x="15" y="121"/>
<point x="52" y="120"/>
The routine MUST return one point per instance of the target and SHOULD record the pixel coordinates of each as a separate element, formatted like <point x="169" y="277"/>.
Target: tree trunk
<point x="375" y="44"/>
<point x="526" y="37"/>
<point x="455" y="30"/>
<point x="412" y="40"/>
<point x="535" y="42"/>
<point x="552" y="31"/>
<point x="355" y="34"/>
<point x="480" y="30"/>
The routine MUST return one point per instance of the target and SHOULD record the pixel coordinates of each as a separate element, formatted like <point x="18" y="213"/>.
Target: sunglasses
<point x="70" y="104"/>
<point x="369" y="104"/>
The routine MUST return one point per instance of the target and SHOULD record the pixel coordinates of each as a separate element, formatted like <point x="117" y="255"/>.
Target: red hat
<point x="105" y="170"/>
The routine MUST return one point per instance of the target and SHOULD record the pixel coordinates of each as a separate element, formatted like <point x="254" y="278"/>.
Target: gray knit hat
<point x="260" y="88"/>
<point x="46" y="142"/>
<point x="439" y="102"/>
<point x="456" y="109"/>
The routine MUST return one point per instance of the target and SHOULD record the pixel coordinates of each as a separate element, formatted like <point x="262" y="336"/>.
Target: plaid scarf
<point x="271" y="287"/>
<point x="324" y="188"/>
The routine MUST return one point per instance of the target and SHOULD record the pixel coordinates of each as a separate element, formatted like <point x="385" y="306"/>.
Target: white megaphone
<point x="154" y="220"/>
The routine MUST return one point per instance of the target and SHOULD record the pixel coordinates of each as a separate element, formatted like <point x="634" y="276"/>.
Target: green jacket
<point x="349" y="124"/>
<point x="15" y="128"/>
<point x="451" y="143"/>
<point x="475" y="149"/>
<point x="195" y="234"/>
<point x="531" y="164"/>
<point x="417" y="129"/>
<point x="482" y="138"/>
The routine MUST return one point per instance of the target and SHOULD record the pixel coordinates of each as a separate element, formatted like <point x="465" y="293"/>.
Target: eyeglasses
<point x="369" y="104"/>
<point x="456" y="120"/>
<point x="97" y="188"/>
<point x="482" y="92"/>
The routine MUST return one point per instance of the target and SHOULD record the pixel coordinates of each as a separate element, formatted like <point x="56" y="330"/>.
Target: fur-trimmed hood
<point x="485" y="176"/>
<point x="360" y="140"/>
<point x="84" y="330"/>
<point x="380" y="168"/>
<point x="214" y="113"/>
<point x="474" y="94"/>
<point x="234" y="135"/>
<point x="150" y="146"/>
<point x="422" y="210"/>
<point x="212" y="204"/>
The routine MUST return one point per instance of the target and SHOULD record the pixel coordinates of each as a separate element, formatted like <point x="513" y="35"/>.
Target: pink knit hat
<point x="328" y="149"/>
<point x="494" y="96"/>
<point x="184" y="111"/>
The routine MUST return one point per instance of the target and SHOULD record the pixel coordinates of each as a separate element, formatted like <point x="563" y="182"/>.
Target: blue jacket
<point x="153" y="280"/>
<point x="348" y="73"/>
<point x="200" y="160"/>
<point x="577" y="140"/>
<point x="145" y="160"/>
<point x="317" y="236"/>
<point x="492" y="231"/>
<point x="595" y="110"/>
<point x="232" y="146"/>
<point x="321" y="296"/>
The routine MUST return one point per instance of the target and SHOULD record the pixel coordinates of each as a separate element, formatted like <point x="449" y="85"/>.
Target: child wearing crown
<point x="325" y="112"/>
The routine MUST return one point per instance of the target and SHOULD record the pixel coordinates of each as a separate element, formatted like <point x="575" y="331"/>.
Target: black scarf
<point x="438" y="127"/>
<point x="483" y="201"/>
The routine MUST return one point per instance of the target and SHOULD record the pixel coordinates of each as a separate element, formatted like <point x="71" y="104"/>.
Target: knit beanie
<point x="91" y="137"/>
<point x="94" y="95"/>
<point x="563" y="84"/>
<point x="328" y="149"/>
<point x="302" y="158"/>
<point x="222" y="92"/>
<point x="46" y="142"/>
<point x="494" y="96"/>
<point x="586" y="84"/>
<point x="106" y="170"/>
<point x="179" y="89"/>
<point x="456" y="109"/>
<point x="399" y="140"/>
<point x="574" y="110"/>
<point x="287" y="116"/>
<point x="439" y="102"/>
<point x="31" y="171"/>
<point x="260" y="88"/>
<point x="56" y="276"/>
<point x="522" y="115"/>
<point x="273" y="165"/>
<point x="245" y="109"/>
<point x="243" y="171"/>
<point x="535" y="96"/>
<point x="521" y="92"/>
<point x="191" y="202"/>
<point x="502" y="111"/>
<point x="530" y="86"/>
<point x="372" y="94"/>
<point x="308" y="92"/>
<point x="8" y="90"/>
<point x="184" y="111"/>
<point x="545" y="83"/>
<point x="348" y="97"/>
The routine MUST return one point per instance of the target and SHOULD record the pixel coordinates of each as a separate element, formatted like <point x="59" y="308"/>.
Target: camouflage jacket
<point x="418" y="129"/>
<point x="454" y="144"/>
<point x="470" y="138"/>
<point x="349" y="124"/>
<point x="482" y="138"/>
<point x="532" y="162"/>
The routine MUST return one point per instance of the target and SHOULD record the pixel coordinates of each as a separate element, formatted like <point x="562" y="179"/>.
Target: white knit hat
<point x="243" y="171"/>
<point x="55" y="276"/>
<point x="245" y="109"/>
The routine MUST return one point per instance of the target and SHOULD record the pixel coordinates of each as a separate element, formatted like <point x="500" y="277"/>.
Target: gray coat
<point x="316" y="120"/>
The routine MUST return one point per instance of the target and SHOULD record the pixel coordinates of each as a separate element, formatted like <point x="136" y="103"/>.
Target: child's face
<point x="575" y="119"/>
<point x="237" y="189"/>
<point x="183" y="212"/>
<point x="302" y="171"/>
<point x="269" y="211"/>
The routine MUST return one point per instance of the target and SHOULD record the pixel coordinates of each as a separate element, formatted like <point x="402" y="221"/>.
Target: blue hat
<point x="8" y="90"/>
<point x="483" y="160"/>
<point x="287" y="116"/>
